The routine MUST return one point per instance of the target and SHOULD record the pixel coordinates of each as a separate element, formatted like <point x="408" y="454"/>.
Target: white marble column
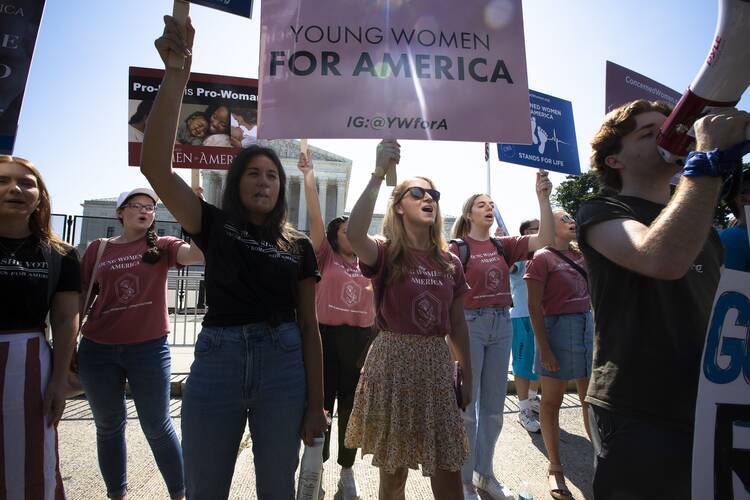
<point x="323" y="195"/>
<point x="340" y="196"/>
<point x="302" y="213"/>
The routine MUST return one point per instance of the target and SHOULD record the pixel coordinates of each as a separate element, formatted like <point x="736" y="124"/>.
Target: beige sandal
<point x="556" y="481"/>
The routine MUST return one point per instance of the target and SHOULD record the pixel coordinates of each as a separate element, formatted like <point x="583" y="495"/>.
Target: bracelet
<point x="715" y="163"/>
<point x="379" y="173"/>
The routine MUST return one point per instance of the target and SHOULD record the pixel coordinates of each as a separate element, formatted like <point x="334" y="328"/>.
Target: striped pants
<point x="29" y="464"/>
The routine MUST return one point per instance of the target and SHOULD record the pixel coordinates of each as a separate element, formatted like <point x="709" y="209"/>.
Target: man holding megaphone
<point x="654" y="266"/>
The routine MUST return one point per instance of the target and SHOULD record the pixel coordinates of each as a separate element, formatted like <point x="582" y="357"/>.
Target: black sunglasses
<point x="419" y="192"/>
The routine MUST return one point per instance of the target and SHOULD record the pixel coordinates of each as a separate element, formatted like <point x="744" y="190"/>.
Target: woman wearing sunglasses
<point x="405" y="412"/>
<point x="486" y="262"/>
<point x="125" y="338"/>
<point x="560" y="312"/>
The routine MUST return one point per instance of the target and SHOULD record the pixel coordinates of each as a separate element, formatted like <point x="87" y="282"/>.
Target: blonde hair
<point x="462" y="225"/>
<point x="397" y="256"/>
<point x="40" y="221"/>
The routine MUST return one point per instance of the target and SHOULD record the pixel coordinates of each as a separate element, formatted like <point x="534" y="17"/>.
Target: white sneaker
<point x="535" y="403"/>
<point x="348" y="485"/>
<point x="528" y="420"/>
<point x="470" y="492"/>
<point x="492" y="487"/>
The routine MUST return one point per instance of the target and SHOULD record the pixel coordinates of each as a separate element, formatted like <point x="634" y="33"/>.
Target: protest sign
<point x="19" y="25"/>
<point x="218" y="117"/>
<point x="553" y="131"/>
<point x="407" y="70"/>
<point x="721" y="447"/>
<point x="242" y="8"/>
<point x="625" y="85"/>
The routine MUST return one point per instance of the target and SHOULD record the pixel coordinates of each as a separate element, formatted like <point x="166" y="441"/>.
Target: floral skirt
<point x="405" y="412"/>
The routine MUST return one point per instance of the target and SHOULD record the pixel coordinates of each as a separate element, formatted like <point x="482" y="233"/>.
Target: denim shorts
<point x="571" y="338"/>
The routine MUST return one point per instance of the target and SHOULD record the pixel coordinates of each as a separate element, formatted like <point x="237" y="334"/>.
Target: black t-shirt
<point x="249" y="280"/>
<point x="649" y="333"/>
<point x="23" y="283"/>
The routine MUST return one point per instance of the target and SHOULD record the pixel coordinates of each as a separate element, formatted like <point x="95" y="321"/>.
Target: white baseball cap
<point x="127" y="194"/>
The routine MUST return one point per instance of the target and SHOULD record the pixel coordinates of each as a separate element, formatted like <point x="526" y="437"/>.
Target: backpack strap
<point x="500" y="251"/>
<point x="570" y="262"/>
<point x="463" y="251"/>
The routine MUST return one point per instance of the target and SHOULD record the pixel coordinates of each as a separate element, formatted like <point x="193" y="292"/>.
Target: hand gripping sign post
<point x="721" y="447"/>
<point x="377" y="69"/>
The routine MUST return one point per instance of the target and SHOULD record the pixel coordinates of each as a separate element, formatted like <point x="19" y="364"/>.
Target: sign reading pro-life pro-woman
<point x="415" y="69"/>
<point x="553" y="135"/>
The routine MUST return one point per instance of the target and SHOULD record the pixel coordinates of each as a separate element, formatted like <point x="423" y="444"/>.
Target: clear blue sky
<point x="73" y="123"/>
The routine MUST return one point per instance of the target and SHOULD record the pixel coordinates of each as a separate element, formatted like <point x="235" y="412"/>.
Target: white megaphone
<point x="720" y="82"/>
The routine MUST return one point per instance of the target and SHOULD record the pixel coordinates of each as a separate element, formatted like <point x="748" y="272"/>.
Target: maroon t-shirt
<point x="132" y="303"/>
<point x="565" y="289"/>
<point x="343" y="295"/>
<point x="419" y="303"/>
<point x="487" y="271"/>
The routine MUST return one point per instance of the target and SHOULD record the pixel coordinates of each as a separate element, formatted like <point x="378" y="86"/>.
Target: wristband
<point x="715" y="163"/>
<point x="379" y="173"/>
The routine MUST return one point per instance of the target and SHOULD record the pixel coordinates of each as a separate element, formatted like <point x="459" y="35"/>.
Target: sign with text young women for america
<point x="406" y="69"/>
<point x="553" y="137"/>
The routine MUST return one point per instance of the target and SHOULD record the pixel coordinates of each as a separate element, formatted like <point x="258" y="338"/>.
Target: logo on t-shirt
<point x="127" y="288"/>
<point x="425" y="311"/>
<point x="493" y="279"/>
<point x="351" y="293"/>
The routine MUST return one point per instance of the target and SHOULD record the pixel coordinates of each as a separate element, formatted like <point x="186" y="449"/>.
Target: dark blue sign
<point x="19" y="25"/>
<point x="242" y="8"/>
<point x="553" y="133"/>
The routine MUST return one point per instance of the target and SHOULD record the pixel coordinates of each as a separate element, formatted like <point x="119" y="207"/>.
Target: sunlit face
<point x="482" y="212"/>
<point x="639" y="154"/>
<point x="260" y="185"/>
<point x="532" y="229"/>
<point x="19" y="191"/>
<point x="219" y="122"/>
<point x="137" y="213"/>
<point x="344" y="246"/>
<point x="565" y="226"/>
<point x="197" y="126"/>
<point x="420" y="211"/>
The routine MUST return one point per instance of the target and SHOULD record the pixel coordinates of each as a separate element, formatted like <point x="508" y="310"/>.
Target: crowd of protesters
<point x="408" y="337"/>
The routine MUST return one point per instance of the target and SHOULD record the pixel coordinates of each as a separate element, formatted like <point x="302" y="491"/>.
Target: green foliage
<point x="571" y="192"/>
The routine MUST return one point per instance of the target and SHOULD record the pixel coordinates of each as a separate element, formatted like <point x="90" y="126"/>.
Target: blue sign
<point x="242" y="8"/>
<point x="553" y="132"/>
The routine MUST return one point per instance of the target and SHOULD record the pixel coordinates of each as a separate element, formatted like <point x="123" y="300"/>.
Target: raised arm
<point x="546" y="235"/>
<point x="189" y="255"/>
<point x="388" y="155"/>
<point x="161" y="128"/>
<point x="317" y="224"/>
<point x="668" y="247"/>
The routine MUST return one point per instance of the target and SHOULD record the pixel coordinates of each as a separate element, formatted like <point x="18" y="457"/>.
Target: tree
<point x="577" y="188"/>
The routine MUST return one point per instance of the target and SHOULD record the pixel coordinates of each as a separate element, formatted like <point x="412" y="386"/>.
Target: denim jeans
<point x="490" y="340"/>
<point x="250" y="374"/>
<point x="103" y="369"/>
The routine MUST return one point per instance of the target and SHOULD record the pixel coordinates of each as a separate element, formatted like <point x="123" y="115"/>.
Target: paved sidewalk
<point x="519" y="456"/>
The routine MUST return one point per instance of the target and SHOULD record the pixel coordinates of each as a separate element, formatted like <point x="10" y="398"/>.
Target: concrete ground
<point x="519" y="456"/>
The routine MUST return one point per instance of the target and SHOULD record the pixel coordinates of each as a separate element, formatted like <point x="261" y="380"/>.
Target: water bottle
<point x="525" y="492"/>
<point x="310" y="473"/>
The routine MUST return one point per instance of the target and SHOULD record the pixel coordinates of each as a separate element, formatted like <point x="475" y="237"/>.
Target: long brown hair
<point x="462" y="226"/>
<point x="40" y="221"/>
<point x="397" y="255"/>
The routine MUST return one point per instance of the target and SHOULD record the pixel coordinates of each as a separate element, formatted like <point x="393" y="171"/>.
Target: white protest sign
<point x="721" y="447"/>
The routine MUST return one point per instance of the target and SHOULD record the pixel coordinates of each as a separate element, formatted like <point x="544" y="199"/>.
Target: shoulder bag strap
<point x="572" y="264"/>
<point x="86" y="306"/>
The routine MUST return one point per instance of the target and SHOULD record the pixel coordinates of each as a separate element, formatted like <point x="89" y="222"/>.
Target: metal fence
<point x="186" y="297"/>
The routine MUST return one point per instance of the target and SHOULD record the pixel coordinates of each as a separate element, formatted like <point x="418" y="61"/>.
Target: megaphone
<point x="720" y="82"/>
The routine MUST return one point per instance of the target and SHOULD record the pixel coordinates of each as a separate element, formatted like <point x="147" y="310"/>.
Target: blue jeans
<point x="244" y="374"/>
<point x="103" y="369"/>
<point x="490" y="339"/>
